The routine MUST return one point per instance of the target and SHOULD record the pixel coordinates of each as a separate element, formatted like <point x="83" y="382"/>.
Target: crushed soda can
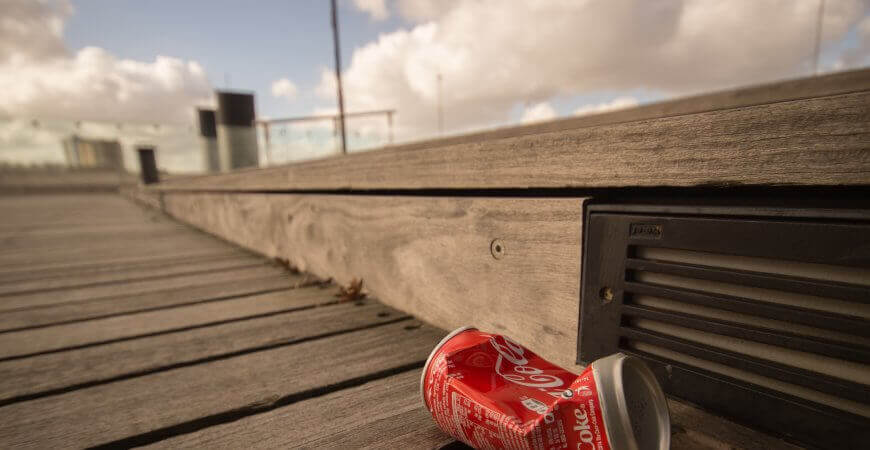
<point x="490" y="392"/>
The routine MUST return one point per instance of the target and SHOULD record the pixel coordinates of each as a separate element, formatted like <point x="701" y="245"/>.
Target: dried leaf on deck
<point x="351" y="292"/>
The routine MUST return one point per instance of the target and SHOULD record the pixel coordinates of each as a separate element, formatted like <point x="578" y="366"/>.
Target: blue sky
<point x="254" y="43"/>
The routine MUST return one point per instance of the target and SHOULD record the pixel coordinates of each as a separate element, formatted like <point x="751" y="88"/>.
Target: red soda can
<point x="490" y="392"/>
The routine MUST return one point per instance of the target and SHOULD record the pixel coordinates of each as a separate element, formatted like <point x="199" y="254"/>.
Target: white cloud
<point x="64" y="90"/>
<point x="377" y="9"/>
<point x="493" y="57"/>
<point x="327" y="86"/>
<point x="32" y="29"/>
<point x="423" y="10"/>
<point x="284" y="88"/>
<point x="538" y="113"/>
<point x="41" y="78"/>
<point x="617" y="103"/>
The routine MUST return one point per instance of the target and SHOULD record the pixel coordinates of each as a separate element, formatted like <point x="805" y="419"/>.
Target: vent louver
<point x="762" y="318"/>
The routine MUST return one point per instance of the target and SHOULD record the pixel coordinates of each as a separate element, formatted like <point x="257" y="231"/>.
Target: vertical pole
<point x="390" y="125"/>
<point x="818" y="37"/>
<point x="147" y="165"/>
<point x="267" y="142"/>
<point x="440" y="110"/>
<point x="338" y="76"/>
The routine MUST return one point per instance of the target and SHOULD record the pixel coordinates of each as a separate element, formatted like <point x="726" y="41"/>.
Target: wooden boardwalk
<point x="122" y="328"/>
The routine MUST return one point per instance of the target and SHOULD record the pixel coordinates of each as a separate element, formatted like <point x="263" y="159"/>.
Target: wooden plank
<point x="48" y="374"/>
<point x="230" y="285"/>
<point x="60" y="181"/>
<point x="72" y="296"/>
<point x="35" y="231"/>
<point x="17" y="241"/>
<point x="426" y="255"/>
<point x="196" y="397"/>
<point x="431" y="257"/>
<point x="62" y="269"/>
<point x="15" y="260"/>
<point x="386" y="413"/>
<point x="124" y="276"/>
<point x="818" y="141"/>
<point x="27" y="342"/>
<point x="138" y="194"/>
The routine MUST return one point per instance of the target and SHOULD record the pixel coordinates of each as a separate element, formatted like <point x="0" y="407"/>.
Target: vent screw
<point x="497" y="248"/>
<point x="606" y="294"/>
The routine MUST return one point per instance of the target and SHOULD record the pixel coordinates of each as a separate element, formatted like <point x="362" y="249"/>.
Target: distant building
<point x="92" y="153"/>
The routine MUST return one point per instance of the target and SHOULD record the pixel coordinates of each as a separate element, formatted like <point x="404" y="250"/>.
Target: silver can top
<point x="634" y="406"/>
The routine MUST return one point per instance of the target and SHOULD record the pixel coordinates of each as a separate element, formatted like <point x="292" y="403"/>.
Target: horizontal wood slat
<point x="55" y="371"/>
<point x="813" y="141"/>
<point x="195" y="395"/>
<point x="15" y="344"/>
<point x="180" y="280"/>
<point x="432" y="256"/>
<point x="387" y="413"/>
<point x="229" y="285"/>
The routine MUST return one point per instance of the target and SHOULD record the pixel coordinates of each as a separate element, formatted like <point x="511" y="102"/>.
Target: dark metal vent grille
<point x="765" y="320"/>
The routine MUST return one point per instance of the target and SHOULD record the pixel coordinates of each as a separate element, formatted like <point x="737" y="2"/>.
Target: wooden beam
<point x="432" y="257"/>
<point x="771" y="135"/>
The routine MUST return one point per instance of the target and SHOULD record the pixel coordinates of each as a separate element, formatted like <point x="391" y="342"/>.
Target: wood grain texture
<point x="817" y="141"/>
<point x="92" y="364"/>
<point x="61" y="180"/>
<point x="431" y="257"/>
<point x="51" y="269"/>
<point x="122" y="276"/>
<point x="231" y="284"/>
<point x="426" y="255"/>
<point x="16" y="343"/>
<point x="139" y="194"/>
<point x="41" y="299"/>
<point x="387" y="413"/>
<point x="16" y="259"/>
<point x="147" y="262"/>
<point x="119" y="410"/>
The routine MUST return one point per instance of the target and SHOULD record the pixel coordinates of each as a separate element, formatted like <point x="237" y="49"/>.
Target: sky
<point x="501" y="62"/>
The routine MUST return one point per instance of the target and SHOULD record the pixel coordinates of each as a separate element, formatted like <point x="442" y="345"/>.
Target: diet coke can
<point x="490" y="392"/>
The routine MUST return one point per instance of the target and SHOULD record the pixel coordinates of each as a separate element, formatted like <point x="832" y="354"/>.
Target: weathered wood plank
<point x="428" y="255"/>
<point x="63" y="269"/>
<point x="72" y="296"/>
<point x="17" y="241"/>
<point x="386" y="413"/>
<point x="99" y="251"/>
<point x="432" y="257"/>
<point x="195" y="397"/>
<point x="50" y="373"/>
<point x="147" y="262"/>
<point x="122" y="276"/>
<point x="817" y="141"/>
<point x="16" y="343"/>
<point x="52" y="180"/>
<point x="230" y="285"/>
